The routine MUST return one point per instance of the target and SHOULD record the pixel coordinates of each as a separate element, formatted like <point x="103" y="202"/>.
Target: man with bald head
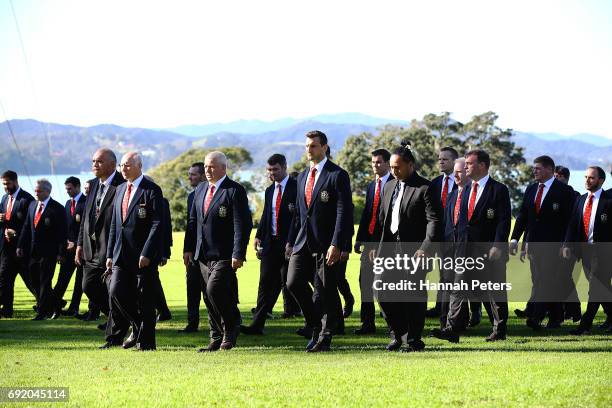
<point x="135" y="249"/>
<point x="93" y="234"/>
<point x="217" y="236"/>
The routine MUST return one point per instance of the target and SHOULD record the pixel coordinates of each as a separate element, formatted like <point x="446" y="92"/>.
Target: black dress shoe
<point x="109" y="344"/>
<point x="365" y="330"/>
<point x="69" y="312"/>
<point x="320" y="346"/>
<point x="188" y="329"/>
<point x="39" y="317"/>
<point x="521" y="313"/>
<point x="579" y="331"/>
<point x="445" y="334"/>
<point x="433" y="312"/>
<point x="250" y="330"/>
<point x="348" y="308"/>
<point x="162" y="317"/>
<point x="230" y="338"/>
<point x="304" y="332"/>
<point x="253" y="310"/>
<point x="414" y="346"/>
<point x="102" y="326"/>
<point x="130" y="341"/>
<point x="147" y="347"/>
<point x="214" y="345"/>
<point x="394" y="345"/>
<point x="532" y="324"/>
<point x="495" y="337"/>
<point x="605" y="325"/>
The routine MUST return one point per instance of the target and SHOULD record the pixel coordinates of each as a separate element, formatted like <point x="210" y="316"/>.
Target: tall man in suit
<point x="13" y="212"/>
<point x="543" y="217"/>
<point x="323" y="224"/>
<point x="74" y="214"/>
<point x="409" y="223"/>
<point x="135" y="248"/>
<point x="217" y="237"/>
<point x="43" y="239"/>
<point x="194" y="282"/>
<point x="93" y="237"/>
<point x="271" y="240"/>
<point x="483" y="227"/>
<point x="589" y="237"/>
<point x="365" y="234"/>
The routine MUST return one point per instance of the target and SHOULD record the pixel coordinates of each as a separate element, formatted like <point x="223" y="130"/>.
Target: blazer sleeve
<point x="504" y="210"/>
<point x="364" y="222"/>
<point x="61" y="233"/>
<point x="153" y="247"/>
<point x="521" y="219"/>
<point x="243" y="223"/>
<point x="343" y="231"/>
<point x="189" y="242"/>
<point x="433" y="214"/>
<point x="25" y="238"/>
<point x="110" y="245"/>
<point x="259" y="233"/>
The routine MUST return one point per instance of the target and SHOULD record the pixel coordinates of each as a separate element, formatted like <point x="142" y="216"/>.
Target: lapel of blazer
<point x="549" y="195"/>
<point x="387" y="197"/>
<point x="216" y="197"/>
<point x="484" y="197"/>
<point x="407" y="196"/>
<point x="136" y="197"/>
<point x="600" y="208"/>
<point x="320" y="182"/>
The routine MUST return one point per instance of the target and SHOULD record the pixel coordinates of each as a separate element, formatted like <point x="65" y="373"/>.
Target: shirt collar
<point x="44" y="202"/>
<point x="78" y="197"/>
<point x="283" y="183"/>
<point x="384" y="178"/>
<point x="450" y="176"/>
<point x="14" y="195"/>
<point x="548" y="182"/>
<point x="136" y="182"/>
<point x="320" y="165"/>
<point x="597" y="194"/>
<point x="482" y="181"/>
<point x="218" y="183"/>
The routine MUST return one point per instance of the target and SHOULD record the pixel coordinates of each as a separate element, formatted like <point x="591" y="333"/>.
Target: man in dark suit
<point x="323" y="224"/>
<point x="409" y="223"/>
<point x="135" y="248"/>
<point x="543" y="217"/>
<point x="194" y="281"/>
<point x="217" y="237"/>
<point x="161" y="306"/>
<point x="483" y="227"/>
<point x="589" y="237"/>
<point x="13" y="212"/>
<point x="93" y="238"/>
<point x="271" y="240"/>
<point x="365" y="233"/>
<point x="74" y="213"/>
<point x="42" y="240"/>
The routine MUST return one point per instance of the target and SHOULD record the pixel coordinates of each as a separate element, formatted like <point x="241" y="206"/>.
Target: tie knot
<point x="541" y="185"/>
<point x="278" y="186"/>
<point x="313" y="170"/>
<point x="446" y="178"/>
<point x="475" y="185"/>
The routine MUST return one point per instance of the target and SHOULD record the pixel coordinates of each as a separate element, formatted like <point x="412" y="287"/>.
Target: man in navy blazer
<point x="135" y="248"/>
<point x="483" y="228"/>
<point x="13" y="211"/>
<point x="543" y="218"/>
<point x="589" y="237"/>
<point x="323" y="225"/>
<point x="74" y="208"/>
<point x="270" y="243"/>
<point x="217" y="236"/>
<point x="42" y="240"/>
<point x="365" y="233"/>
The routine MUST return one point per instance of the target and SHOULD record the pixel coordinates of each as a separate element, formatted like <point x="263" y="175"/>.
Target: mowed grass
<point x="544" y="369"/>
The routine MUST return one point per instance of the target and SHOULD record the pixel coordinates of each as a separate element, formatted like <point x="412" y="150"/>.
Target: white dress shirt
<point x="395" y="212"/>
<point x="481" y="185"/>
<point x="319" y="167"/>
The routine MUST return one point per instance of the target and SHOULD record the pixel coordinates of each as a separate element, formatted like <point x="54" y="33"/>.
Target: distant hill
<point x="72" y="146"/>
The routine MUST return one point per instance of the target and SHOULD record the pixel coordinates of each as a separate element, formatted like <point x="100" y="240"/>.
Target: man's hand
<point x="333" y="255"/>
<point x="237" y="263"/>
<point x="288" y="251"/>
<point x="163" y="261"/>
<point x="187" y="258"/>
<point x="19" y="253"/>
<point x="357" y="247"/>
<point x="372" y="255"/>
<point x="10" y="234"/>
<point x="419" y="253"/>
<point x="143" y="262"/>
<point x="494" y="253"/>
<point x="109" y="263"/>
<point x="256" y="244"/>
<point x="70" y="246"/>
<point x="78" y="255"/>
<point x="513" y="247"/>
<point x="2" y="217"/>
<point x="567" y="253"/>
<point x="523" y="255"/>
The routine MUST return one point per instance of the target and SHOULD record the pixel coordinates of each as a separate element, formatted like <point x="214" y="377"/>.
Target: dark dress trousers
<point x="194" y="282"/>
<point x="10" y="265"/>
<point x="273" y="266"/>
<point x="419" y="228"/>
<point x="215" y="237"/>
<point x="327" y="221"/>
<point x="132" y="289"/>
<point x="162" y="305"/>
<point x="44" y="243"/>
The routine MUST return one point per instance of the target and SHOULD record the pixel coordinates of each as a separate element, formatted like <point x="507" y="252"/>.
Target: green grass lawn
<point x="547" y="369"/>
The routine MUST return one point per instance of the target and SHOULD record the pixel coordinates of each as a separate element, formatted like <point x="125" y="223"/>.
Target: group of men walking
<point x="120" y="233"/>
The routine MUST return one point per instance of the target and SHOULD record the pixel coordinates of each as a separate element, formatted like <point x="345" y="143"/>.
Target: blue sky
<point x="541" y="65"/>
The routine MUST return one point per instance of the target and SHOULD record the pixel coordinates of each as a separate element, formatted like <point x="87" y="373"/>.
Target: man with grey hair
<point x="217" y="236"/>
<point x="42" y="240"/>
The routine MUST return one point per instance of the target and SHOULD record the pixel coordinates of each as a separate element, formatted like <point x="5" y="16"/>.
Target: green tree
<point x="354" y="157"/>
<point x="171" y="176"/>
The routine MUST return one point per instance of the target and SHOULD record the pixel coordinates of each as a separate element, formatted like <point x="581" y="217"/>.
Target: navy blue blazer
<point x="363" y="234"/>
<point x="490" y="223"/>
<point x="142" y="231"/>
<point x="167" y="229"/>
<point x="223" y="232"/>
<point x="74" y="222"/>
<point x="285" y="216"/>
<point x="550" y="224"/>
<point x="48" y="238"/>
<point x="602" y="227"/>
<point x="329" y="219"/>
<point x="18" y="217"/>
